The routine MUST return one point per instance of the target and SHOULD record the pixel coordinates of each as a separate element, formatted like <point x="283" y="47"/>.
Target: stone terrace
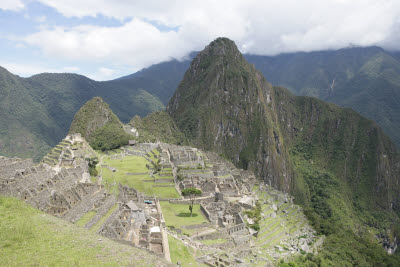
<point x="130" y="218"/>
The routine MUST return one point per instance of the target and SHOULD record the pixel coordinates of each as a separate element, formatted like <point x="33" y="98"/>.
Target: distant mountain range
<point x="365" y="79"/>
<point x="35" y="112"/>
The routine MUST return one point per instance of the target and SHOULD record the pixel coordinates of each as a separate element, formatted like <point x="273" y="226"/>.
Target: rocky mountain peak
<point x="223" y="104"/>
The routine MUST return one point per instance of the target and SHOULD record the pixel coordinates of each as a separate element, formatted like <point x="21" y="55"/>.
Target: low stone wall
<point x="136" y="153"/>
<point x="223" y="246"/>
<point x="214" y="235"/>
<point x="203" y="175"/>
<point x="196" y="226"/>
<point x="205" y="212"/>
<point x="107" y="205"/>
<point x="196" y="201"/>
<point x="170" y="200"/>
<point x="162" y="174"/>
<point x="166" y="180"/>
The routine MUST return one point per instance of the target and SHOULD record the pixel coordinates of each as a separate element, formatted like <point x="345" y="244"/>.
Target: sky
<point x="105" y="39"/>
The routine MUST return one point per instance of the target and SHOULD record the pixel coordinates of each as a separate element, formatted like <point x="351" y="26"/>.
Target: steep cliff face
<point x="223" y="104"/>
<point x="339" y="165"/>
<point x="354" y="149"/>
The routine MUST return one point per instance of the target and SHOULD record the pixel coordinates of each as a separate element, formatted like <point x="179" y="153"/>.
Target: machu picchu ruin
<point x="136" y="198"/>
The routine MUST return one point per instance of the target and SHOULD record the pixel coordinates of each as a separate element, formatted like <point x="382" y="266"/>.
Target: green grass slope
<point x="32" y="238"/>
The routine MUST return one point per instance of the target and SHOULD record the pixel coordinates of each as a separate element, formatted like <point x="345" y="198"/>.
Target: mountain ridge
<point x="144" y="92"/>
<point x="339" y="166"/>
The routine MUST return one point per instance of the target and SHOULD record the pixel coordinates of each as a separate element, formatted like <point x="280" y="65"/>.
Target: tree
<point x="92" y="162"/>
<point x="156" y="166"/>
<point x="192" y="193"/>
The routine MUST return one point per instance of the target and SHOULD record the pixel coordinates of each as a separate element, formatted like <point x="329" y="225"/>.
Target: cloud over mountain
<point x="152" y="31"/>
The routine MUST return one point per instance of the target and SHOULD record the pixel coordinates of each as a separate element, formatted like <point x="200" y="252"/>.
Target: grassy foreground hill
<point x="339" y="166"/>
<point x="32" y="238"/>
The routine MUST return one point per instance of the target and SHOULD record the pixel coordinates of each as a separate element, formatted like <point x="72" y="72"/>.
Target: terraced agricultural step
<point x="53" y="157"/>
<point x="290" y="209"/>
<point x="272" y="236"/>
<point x="49" y="161"/>
<point x="294" y="228"/>
<point x="265" y="222"/>
<point x="273" y="221"/>
<point x="65" y="143"/>
<point x="273" y="242"/>
<point x="268" y="210"/>
<point x="283" y="207"/>
<point x="269" y="230"/>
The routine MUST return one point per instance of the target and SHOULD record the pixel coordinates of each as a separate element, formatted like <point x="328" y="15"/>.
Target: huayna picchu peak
<point x="224" y="104"/>
<point x="235" y="172"/>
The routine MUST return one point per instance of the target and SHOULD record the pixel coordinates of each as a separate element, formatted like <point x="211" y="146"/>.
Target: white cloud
<point x="106" y="71"/>
<point x="41" y="19"/>
<point x="13" y="5"/>
<point x="27" y="70"/>
<point x="70" y="69"/>
<point x="258" y="27"/>
<point x="136" y="43"/>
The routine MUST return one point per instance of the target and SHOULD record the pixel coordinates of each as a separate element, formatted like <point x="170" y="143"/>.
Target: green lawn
<point x="180" y="253"/>
<point x="164" y="192"/>
<point x="135" y="164"/>
<point x="29" y="237"/>
<point x="86" y="218"/>
<point x="128" y="164"/>
<point x="179" y="214"/>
